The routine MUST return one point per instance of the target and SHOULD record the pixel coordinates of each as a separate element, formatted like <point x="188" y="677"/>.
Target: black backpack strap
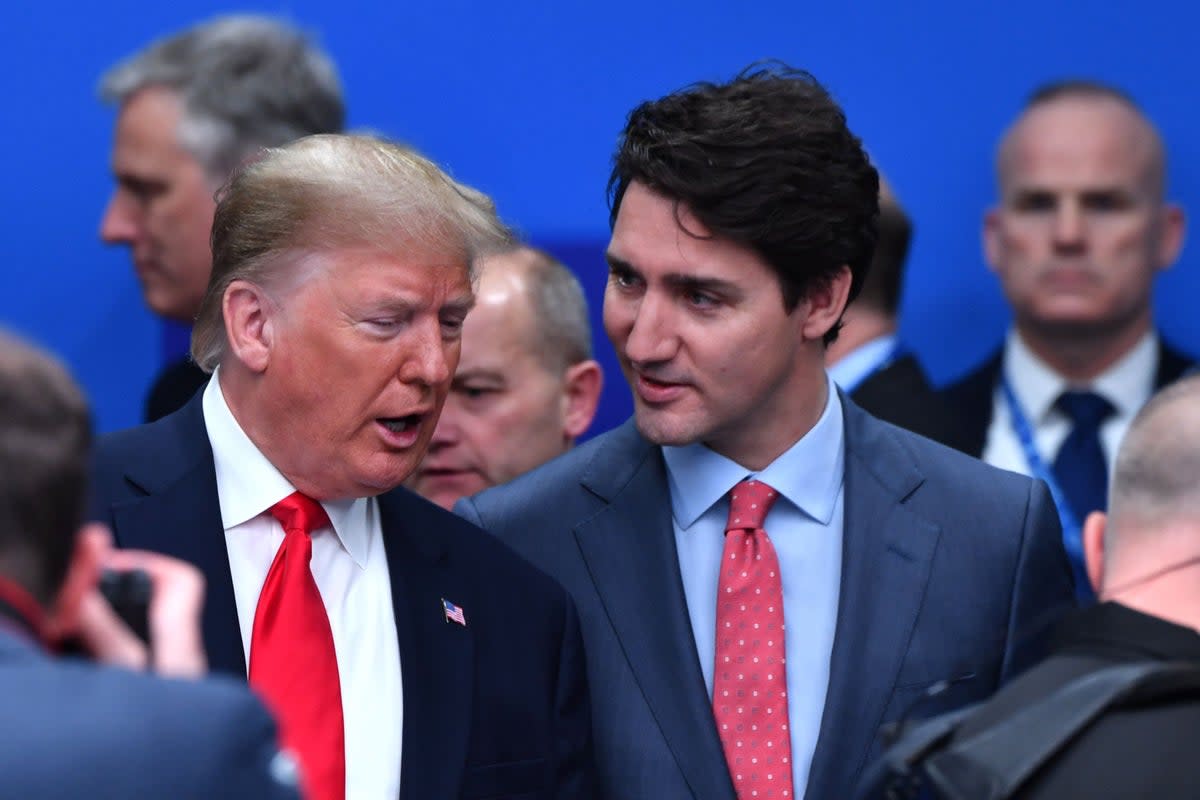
<point x="995" y="762"/>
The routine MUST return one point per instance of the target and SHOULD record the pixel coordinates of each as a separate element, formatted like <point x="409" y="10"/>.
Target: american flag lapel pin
<point x="454" y="613"/>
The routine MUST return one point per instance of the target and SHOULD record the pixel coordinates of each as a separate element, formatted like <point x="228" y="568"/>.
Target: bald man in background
<point x="526" y="385"/>
<point x="1081" y="230"/>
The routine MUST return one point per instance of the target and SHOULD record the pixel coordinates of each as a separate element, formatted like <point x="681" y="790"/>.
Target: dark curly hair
<point x="767" y="161"/>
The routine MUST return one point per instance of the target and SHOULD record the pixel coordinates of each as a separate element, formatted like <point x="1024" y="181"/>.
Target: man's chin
<point x="446" y="490"/>
<point x="664" y="429"/>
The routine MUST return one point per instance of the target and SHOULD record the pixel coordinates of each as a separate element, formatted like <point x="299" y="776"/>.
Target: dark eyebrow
<point x="692" y="283"/>
<point x="1037" y="192"/>
<point x="615" y="263"/>
<point x="1111" y="196"/>
<point x="459" y="305"/>
<point x="138" y="183"/>
<point x="679" y="281"/>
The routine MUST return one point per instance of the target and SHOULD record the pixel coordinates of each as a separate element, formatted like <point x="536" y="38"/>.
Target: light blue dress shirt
<point x="805" y="526"/>
<point x="862" y="362"/>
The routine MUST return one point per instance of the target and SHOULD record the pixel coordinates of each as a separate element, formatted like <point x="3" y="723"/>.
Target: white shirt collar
<point x="248" y="484"/>
<point x="809" y="473"/>
<point x="1125" y="384"/>
<point x="861" y="362"/>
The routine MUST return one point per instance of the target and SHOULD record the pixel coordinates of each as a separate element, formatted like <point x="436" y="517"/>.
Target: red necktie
<point x="292" y="660"/>
<point x="750" y="682"/>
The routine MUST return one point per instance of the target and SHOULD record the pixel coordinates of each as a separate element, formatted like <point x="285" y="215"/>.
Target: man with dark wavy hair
<point x="764" y="572"/>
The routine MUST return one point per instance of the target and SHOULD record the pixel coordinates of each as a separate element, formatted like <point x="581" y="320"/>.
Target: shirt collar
<point x="809" y="473"/>
<point x="1125" y="384"/>
<point x="248" y="484"/>
<point x="861" y="362"/>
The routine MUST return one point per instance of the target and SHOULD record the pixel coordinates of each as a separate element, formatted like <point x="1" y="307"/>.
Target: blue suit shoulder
<point x="71" y="729"/>
<point x="473" y="549"/>
<point x="558" y="489"/>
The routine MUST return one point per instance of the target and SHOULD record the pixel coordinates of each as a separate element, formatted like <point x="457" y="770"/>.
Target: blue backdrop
<point x="525" y="100"/>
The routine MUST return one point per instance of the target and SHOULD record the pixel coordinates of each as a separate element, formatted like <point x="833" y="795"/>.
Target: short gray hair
<point x="1157" y="474"/>
<point x="560" y="311"/>
<point x="324" y="193"/>
<point x="245" y="82"/>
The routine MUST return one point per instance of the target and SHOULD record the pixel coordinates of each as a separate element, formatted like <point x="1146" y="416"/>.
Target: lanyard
<point x="1071" y="528"/>
<point x="20" y="613"/>
<point x="893" y="353"/>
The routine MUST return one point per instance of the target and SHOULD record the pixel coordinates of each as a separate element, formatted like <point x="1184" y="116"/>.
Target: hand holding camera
<point x="166" y="637"/>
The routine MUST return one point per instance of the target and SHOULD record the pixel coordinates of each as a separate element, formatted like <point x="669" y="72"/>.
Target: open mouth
<point x="400" y="424"/>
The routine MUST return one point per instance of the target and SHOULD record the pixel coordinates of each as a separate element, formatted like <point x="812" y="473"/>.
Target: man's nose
<point x="1069" y="227"/>
<point x="429" y="362"/>
<point x="651" y="337"/>
<point x="120" y="222"/>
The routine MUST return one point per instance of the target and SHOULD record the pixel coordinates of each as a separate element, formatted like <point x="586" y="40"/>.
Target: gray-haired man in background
<point x="192" y="106"/>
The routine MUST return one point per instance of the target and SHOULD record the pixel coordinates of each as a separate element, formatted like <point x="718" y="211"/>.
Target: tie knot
<point x="749" y="503"/>
<point x="1086" y="409"/>
<point x="299" y="512"/>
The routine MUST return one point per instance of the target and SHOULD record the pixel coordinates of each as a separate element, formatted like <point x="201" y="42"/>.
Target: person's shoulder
<point x="565" y="486"/>
<point x="218" y="729"/>
<point x="485" y="558"/>
<point x="1173" y="364"/>
<point x="201" y="738"/>
<point x="151" y="440"/>
<point x="976" y="384"/>
<point x="149" y="453"/>
<point x="943" y="470"/>
<point x="175" y="385"/>
<point x="204" y="709"/>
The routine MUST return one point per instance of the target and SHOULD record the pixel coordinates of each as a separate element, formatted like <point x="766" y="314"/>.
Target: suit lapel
<point x="629" y="547"/>
<point x="436" y="656"/>
<point x="887" y="556"/>
<point x="972" y="399"/>
<point x="1171" y="365"/>
<point x="180" y="516"/>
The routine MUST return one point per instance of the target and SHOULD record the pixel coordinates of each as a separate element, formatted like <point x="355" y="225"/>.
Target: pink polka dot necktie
<point x="750" y="682"/>
<point x="292" y="660"/>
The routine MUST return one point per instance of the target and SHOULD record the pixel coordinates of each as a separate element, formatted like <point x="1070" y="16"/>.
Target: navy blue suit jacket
<point x="948" y="564"/>
<point x="70" y="729"/>
<point x="497" y="708"/>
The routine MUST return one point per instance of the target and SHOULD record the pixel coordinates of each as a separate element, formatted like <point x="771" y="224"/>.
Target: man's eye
<point x="622" y="279"/>
<point x="1105" y="202"/>
<point x="383" y="324"/>
<point x="700" y="299"/>
<point x="1035" y="203"/>
<point x="143" y="191"/>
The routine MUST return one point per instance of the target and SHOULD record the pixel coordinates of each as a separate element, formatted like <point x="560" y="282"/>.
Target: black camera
<point x="129" y="595"/>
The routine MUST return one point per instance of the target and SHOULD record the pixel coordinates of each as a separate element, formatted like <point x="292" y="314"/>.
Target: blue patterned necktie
<point x="1080" y="467"/>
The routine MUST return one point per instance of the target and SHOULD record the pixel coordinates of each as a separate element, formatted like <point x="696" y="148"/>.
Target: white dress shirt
<point x="350" y="569"/>
<point x="1127" y="384"/>
<point x="805" y="526"/>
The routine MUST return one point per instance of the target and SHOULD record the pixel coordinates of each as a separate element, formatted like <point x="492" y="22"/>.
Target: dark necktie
<point x="1080" y="466"/>
<point x="750" y="679"/>
<point x="292" y="659"/>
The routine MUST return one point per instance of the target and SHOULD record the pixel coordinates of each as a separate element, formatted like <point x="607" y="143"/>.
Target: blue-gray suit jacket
<point x="70" y="729"/>
<point x="948" y="567"/>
